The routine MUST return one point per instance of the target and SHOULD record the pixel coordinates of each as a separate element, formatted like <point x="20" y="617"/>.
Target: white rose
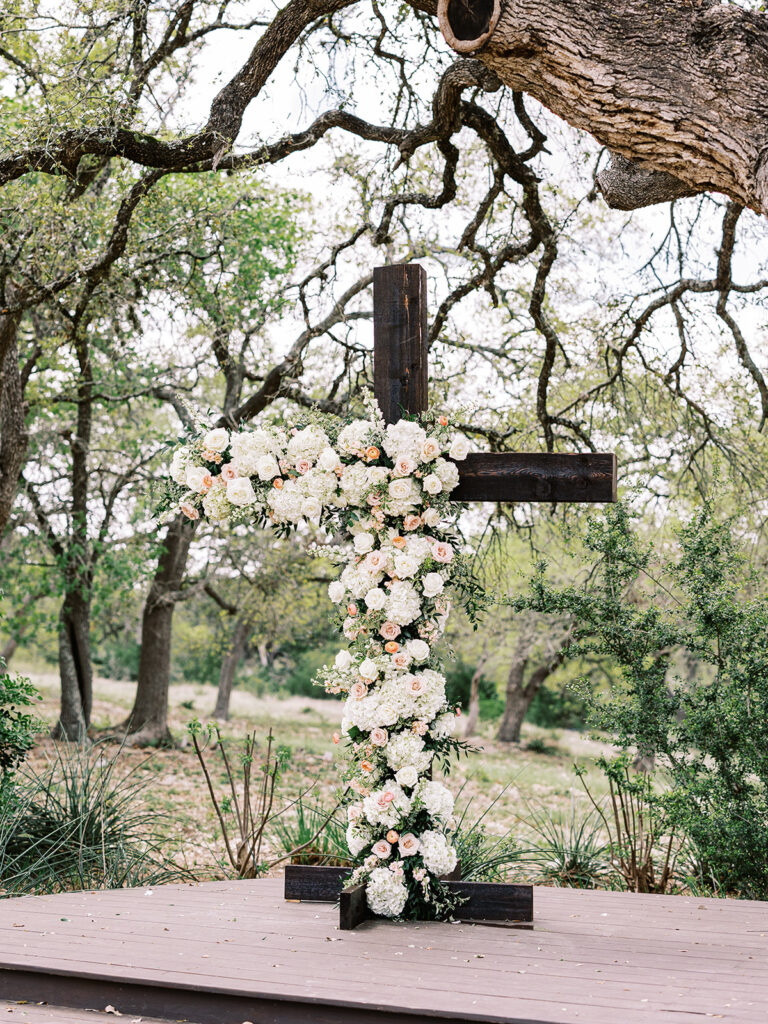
<point x="407" y="776"/>
<point x="311" y="508"/>
<point x="336" y="591"/>
<point x="240" y="491"/>
<point x="432" y="484"/>
<point x="375" y="599"/>
<point x="343" y="660"/>
<point x="406" y="565"/>
<point x="329" y="460"/>
<point x="267" y="467"/>
<point x="216" y="440"/>
<point x="363" y="543"/>
<point x="430" y="449"/>
<point x="404" y="466"/>
<point x="418" y="650"/>
<point x="459" y="448"/>
<point x="430" y="516"/>
<point x="194" y="478"/>
<point x="400" y="489"/>
<point x="433" y="584"/>
<point x="368" y="669"/>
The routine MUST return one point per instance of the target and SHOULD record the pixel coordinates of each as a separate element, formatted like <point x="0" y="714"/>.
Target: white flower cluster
<point x="389" y="487"/>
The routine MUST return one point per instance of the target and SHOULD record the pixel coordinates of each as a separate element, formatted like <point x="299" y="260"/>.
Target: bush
<point x="709" y="733"/>
<point x="558" y="708"/>
<point x="306" y="664"/>
<point x="79" y="825"/>
<point x="17" y="727"/>
<point x="458" y="680"/>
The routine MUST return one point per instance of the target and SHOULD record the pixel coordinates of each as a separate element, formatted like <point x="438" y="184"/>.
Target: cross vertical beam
<point x="400" y="374"/>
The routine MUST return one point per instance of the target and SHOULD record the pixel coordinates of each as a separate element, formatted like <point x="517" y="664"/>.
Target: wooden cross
<point x="400" y="383"/>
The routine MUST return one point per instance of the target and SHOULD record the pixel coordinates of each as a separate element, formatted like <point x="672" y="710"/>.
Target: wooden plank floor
<point x="37" y="1013"/>
<point x="228" y="952"/>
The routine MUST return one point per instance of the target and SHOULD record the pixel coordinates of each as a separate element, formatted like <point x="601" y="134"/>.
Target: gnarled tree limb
<point x="677" y="86"/>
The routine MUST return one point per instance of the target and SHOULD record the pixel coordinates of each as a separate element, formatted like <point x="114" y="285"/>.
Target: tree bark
<point x="148" y="720"/>
<point x="229" y="666"/>
<point x="519" y="694"/>
<point x="75" y="670"/>
<point x="675" y="87"/>
<point x="13" y="428"/>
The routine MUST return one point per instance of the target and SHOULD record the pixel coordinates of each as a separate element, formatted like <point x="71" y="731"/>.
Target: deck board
<point x="233" y="951"/>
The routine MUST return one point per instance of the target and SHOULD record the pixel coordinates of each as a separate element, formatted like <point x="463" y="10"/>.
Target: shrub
<point x="17" y="726"/>
<point x="569" y="851"/>
<point x="708" y="732"/>
<point x="79" y="824"/>
<point x="458" y="679"/>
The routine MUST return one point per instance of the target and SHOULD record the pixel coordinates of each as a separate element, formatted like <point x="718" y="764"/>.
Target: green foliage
<point x="308" y="828"/>
<point x="708" y="731"/>
<point x="305" y="665"/>
<point x="17" y="726"/>
<point x="568" y="850"/>
<point x="458" y="679"/>
<point x="82" y="824"/>
<point x="484" y="857"/>
<point x="557" y="707"/>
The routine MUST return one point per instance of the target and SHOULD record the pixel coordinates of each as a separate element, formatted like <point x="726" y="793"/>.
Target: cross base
<point x="484" y="902"/>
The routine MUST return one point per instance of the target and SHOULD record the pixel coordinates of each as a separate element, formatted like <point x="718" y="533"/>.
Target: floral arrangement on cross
<point x="388" y="487"/>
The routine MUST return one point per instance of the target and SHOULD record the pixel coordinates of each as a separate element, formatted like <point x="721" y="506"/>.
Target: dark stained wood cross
<point x="400" y="384"/>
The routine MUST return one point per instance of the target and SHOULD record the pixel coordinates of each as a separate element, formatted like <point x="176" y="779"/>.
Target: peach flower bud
<point x="277" y="483"/>
<point x="366" y="766"/>
<point x="372" y="453"/>
<point x="392" y="646"/>
<point x="443" y="421"/>
<point x="352" y="610"/>
<point x="392" y="836"/>
<point x="399" y="542"/>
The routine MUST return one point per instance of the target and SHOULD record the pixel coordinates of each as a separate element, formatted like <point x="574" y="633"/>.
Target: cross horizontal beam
<point x="536" y="476"/>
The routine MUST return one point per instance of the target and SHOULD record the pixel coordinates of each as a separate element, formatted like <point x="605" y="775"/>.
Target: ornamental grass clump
<point x="387" y="487"/>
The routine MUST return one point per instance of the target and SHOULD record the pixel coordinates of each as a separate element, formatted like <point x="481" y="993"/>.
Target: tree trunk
<point x="13" y="429"/>
<point x="677" y="87"/>
<point x="229" y="666"/>
<point x="9" y="649"/>
<point x="519" y="694"/>
<point x="75" y="668"/>
<point x="148" y="721"/>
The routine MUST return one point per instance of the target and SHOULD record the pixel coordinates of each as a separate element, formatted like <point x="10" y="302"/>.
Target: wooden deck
<point x="229" y="952"/>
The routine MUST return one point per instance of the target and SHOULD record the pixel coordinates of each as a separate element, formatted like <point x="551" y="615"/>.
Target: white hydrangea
<point x="336" y="591"/>
<point x="404" y="438"/>
<point x="437" y="799"/>
<point x="216" y="503"/>
<point x="318" y="484"/>
<point x="443" y="725"/>
<point x="354" y="483"/>
<point x="354" y="437"/>
<point x="308" y="443"/>
<point x="448" y="473"/>
<point x="438" y="856"/>
<point x="419" y="547"/>
<point x="385" y="892"/>
<point x="358" y="837"/>
<point x="247" y="447"/>
<point x="406" y="748"/>
<point x="178" y="469"/>
<point x="368" y="713"/>
<point x="329" y="460"/>
<point x="286" y="504"/>
<point x="403" y="603"/>
<point x="386" y="806"/>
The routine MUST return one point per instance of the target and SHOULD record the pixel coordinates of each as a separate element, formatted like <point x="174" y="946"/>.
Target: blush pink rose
<point x="303" y="466"/>
<point x="442" y="551"/>
<point x="228" y="472"/>
<point x="401" y="659"/>
<point x="358" y="690"/>
<point x="389" y="630"/>
<point x="408" y="845"/>
<point x="378" y="737"/>
<point x="417" y="685"/>
<point x="382" y="849"/>
<point x="386" y="798"/>
<point x="189" y="510"/>
<point x="411" y="522"/>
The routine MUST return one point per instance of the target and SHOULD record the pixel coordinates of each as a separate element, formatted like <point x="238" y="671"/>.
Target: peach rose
<point x="358" y="690"/>
<point x="382" y="849"/>
<point x="366" y="766"/>
<point x="375" y="561"/>
<point x="417" y="685"/>
<point x="277" y="483"/>
<point x="392" y="836"/>
<point x="401" y="659"/>
<point x="378" y="737"/>
<point x="442" y="551"/>
<point x="389" y="630"/>
<point x="392" y="647"/>
<point x="404" y="465"/>
<point x="399" y="542"/>
<point x="228" y="472"/>
<point x="352" y="610"/>
<point x="420" y="728"/>
<point x="372" y="453"/>
<point x="411" y="522"/>
<point x="443" y="421"/>
<point x="189" y="510"/>
<point x="408" y="845"/>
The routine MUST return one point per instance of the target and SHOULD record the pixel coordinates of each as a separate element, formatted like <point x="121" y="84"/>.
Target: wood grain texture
<point x="313" y="883"/>
<point x="233" y="951"/>
<point x="540" y="476"/>
<point x="353" y="908"/>
<point x="678" y="87"/>
<point x="400" y="356"/>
